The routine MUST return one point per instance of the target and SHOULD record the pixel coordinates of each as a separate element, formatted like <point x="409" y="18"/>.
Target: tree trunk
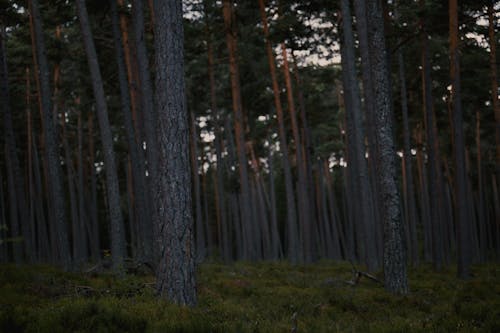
<point x="199" y="233"/>
<point x="54" y="172"/>
<point x="435" y="196"/>
<point x="494" y="80"/>
<point x="239" y="129"/>
<point x="463" y="228"/>
<point x="355" y="131"/>
<point x="12" y="163"/>
<point x="176" y="272"/>
<point x="302" y="197"/>
<point x="142" y="209"/>
<point x="118" y="250"/>
<point x="146" y="96"/>
<point x="395" y="276"/>
<point x="410" y="200"/>
<point x="292" y="231"/>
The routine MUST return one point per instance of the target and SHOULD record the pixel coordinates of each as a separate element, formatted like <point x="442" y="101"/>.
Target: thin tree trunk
<point x="118" y="250"/>
<point x="12" y="162"/>
<point x="132" y="78"/>
<point x="435" y="196"/>
<point x="463" y="228"/>
<point x="355" y="132"/>
<point x="410" y="200"/>
<point x="302" y="197"/>
<point x="199" y="233"/>
<point x="294" y="248"/>
<point x="51" y="148"/>
<point x="4" y="254"/>
<point x="79" y="251"/>
<point x="246" y="214"/>
<point x="142" y="209"/>
<point x="494" y="81"/>
<point x="176" y="271"/>
<point x="146" y="91"/>
<point x="94" y="218"/>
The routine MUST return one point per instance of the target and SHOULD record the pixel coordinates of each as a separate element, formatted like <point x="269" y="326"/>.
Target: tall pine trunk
<point x="291" y="229"/>
<point x="395" y="276"/>
<point x="249" y="252"/>
<point x="118" y="250"/>
<point x="54" y="172"/>
<point x="355" y="131"/>
<point x="176" y="271"/>
<point x="463" y="228"/>
<point x="142" y="209"/>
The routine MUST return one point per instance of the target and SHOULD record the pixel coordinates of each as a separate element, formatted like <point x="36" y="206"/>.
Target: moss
<point x="243" y="297"/>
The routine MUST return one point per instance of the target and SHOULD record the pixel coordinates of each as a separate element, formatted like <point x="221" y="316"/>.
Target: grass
<point x="243" y="297"/>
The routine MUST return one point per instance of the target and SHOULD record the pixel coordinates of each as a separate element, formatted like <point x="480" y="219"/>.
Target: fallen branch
<point x="358" y="274"/>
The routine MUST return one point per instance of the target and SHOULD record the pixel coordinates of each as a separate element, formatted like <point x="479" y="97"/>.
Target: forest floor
<point x="243" y="297"/>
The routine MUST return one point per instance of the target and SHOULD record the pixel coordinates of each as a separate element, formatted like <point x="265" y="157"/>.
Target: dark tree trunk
<point x="148" y="111"/>
<point x="463" y="228"/>
<point x="14" y="192"/>
<point x="176" y="272"/>
<point x="306" y="224"/>
<point x="368" y="106"/>
<point x="54" y="171"/>
<point x="435" y="194"/>
<point x="494" y="80"/>
<point x="410" y="200"/>
<point x="395" y="276"/>
<point x="142" y="209"/>
<point x="355" y="131"/>
<point x="118" y="250"/>
<point x="200" y="232"/>
<point x="79" y="241"/>
<point x="292" y="231"/>
<point x="220" y="195"/>
<point x="94" y="218"/>
<point x="4" y="254"/>
<point x="239" y="129"/>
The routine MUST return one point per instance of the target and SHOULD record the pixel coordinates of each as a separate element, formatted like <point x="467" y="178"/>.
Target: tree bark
<point x="54" y="171"/>
<point x="292" y="231"/>
<point x="410" y="199"/>
<point x="118" y="250"/>
<point x="176" y="272"/>
<point x="239" y="129"/>
<point x="142" y="209"/>
<point x="395" y="276"/>
<point x="302" y="197"/>
<point x="355" y="132"/>
<point x="494" y="80"/>
<point x="463" y="228"/>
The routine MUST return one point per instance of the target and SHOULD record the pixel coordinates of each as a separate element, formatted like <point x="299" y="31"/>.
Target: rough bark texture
<point x="395" y="276"/>
<point x="292" y="232"/>
<point x="176" y="270"/>
<point x="118" y="251"/>
<point x="463" y="228"/>
<point x="51" y="147"/>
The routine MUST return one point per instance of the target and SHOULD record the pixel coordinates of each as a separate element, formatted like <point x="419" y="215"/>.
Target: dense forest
<point x="160" y="135"/>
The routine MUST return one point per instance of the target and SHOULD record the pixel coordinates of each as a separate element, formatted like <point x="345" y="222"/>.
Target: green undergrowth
<point x="243" y="297"/>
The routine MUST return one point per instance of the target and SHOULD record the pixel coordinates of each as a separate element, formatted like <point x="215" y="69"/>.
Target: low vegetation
<point x="264" y="297"/>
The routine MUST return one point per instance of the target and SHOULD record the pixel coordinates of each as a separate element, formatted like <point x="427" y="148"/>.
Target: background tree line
<point x="296" y="152"/>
